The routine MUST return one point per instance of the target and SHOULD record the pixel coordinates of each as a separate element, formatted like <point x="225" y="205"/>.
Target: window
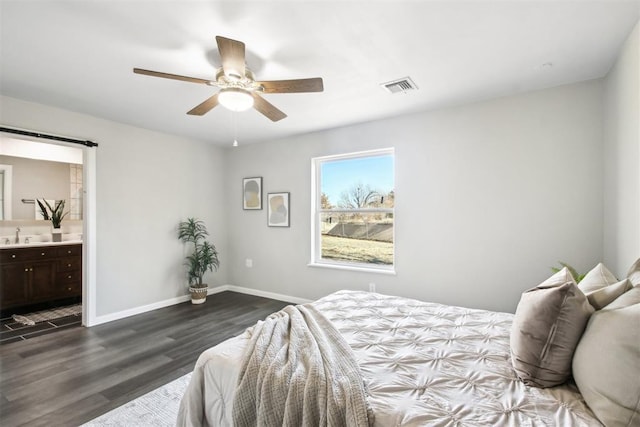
<point x="353" y="211"/>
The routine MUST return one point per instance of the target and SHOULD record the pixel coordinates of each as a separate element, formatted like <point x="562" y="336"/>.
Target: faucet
<point x="7" y="241"/>
<point x="26" y="240"/>
<point x="17" y="235"/>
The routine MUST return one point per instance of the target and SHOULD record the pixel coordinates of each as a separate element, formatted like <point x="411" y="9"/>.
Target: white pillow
<point x="558" y="278"/>
<point x="597" y="278"/>
<point x="606" y="365"/>
<point x="604" y="296"/>
<point x="628" y="298"/>
<point x="634" y="273"/>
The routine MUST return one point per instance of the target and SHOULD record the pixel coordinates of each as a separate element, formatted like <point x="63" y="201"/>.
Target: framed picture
<point x="278" y="209"/>
<point x="252" y="193"/>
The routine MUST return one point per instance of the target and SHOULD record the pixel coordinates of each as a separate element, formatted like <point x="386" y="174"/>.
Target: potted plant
<point x="577" y="276"/>
<point x="204" y="257"/>
<point x="56" y="214"/>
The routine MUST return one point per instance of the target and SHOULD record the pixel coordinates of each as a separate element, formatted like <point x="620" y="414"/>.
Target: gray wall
<point x="146" y="182"/>
<point x="622" y="159"/>
<point x="488" y="197"/>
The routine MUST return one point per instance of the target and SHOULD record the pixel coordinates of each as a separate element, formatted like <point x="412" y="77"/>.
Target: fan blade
<point x="266" y="108"/>
<point x="205" y="107"/>
<point x="292" y="86"/>
<point x="172" y="76"/>
<point x="232" y="55"/>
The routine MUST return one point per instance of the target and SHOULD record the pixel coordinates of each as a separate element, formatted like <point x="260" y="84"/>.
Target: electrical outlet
<point x="372" y="287"/>
<point x="248" y="262"/>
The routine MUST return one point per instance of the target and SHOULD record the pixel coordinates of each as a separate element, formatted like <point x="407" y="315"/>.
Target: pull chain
<point x="234" y="122"/>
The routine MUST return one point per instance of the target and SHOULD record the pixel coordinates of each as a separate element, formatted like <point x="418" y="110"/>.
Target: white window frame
<point x="317" y="211"/>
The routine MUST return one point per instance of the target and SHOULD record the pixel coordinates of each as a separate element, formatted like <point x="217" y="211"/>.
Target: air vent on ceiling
<point x="404" y="84"/>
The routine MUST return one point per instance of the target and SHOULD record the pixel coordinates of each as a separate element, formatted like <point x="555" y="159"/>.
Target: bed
<point x="422" y="364"/>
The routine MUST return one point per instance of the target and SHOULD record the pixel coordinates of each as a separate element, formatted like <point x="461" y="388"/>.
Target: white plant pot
<point x="56" y="235"/>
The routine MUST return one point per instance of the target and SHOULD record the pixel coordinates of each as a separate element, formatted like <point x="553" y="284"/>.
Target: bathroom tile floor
<point x="11" y="331"/>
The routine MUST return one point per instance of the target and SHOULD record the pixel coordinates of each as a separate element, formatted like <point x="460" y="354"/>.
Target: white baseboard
<point x="217" y="289"/>
<point x="98" y="320"/>
<point x="265" y="294"/>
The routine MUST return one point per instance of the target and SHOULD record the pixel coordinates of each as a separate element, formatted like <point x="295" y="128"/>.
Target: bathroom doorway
<point x="38" y="169"/>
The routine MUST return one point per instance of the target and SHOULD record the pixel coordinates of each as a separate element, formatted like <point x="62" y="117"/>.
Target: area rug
<point x="45" y="315"/>
<point x="156" y="408"/>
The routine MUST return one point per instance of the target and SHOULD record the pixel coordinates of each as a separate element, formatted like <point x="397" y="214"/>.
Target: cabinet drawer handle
<point x="26" y="269"/>
<point x="42" y="254"/>
<point x="68" y="265"/>
<point x="68" y="289"/>
<point x="13" y="256"/>
<point x="68" y="252"/>
<point x="69" y="277"/>
<point x="31" y="269"/>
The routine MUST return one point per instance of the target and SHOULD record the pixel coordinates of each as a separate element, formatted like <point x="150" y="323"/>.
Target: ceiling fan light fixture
<point x="239" y="90"/>
<point x="235" y="99"/>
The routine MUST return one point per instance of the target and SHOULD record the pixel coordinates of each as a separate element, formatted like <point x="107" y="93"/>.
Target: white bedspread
<point x="423" y="363"/>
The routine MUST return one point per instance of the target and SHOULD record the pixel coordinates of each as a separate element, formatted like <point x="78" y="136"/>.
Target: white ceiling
<point x="79" y="55"/>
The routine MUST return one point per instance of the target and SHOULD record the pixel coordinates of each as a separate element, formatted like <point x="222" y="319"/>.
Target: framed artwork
<point x="278" y="209"/>
<point x="252" y="193"/>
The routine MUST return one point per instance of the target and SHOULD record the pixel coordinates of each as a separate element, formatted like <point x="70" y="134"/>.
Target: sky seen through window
<point x="340" y="175"/>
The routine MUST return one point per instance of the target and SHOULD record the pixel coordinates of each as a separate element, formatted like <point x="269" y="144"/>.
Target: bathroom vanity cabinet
<point x="30" y="275"/>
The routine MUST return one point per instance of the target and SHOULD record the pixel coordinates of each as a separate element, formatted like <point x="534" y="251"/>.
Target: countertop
<point x="38" y="244"/>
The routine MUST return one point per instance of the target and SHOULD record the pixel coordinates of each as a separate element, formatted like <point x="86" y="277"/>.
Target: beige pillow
<point x="547" y="326"/>
<point x="600" y="298"/>
<point x="634" y="273"/>
<point x="597" y="278"/>
<point x="606" y="365"/>
<point x="630" y="297"/>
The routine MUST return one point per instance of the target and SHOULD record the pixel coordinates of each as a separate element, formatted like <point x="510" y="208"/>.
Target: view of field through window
<point x="356" y="209"/>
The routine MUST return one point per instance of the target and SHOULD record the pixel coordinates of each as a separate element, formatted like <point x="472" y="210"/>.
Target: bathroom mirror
<point x="32" y="170"/>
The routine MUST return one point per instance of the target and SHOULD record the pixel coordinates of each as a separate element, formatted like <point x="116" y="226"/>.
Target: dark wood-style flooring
<point x="72" y="376"/>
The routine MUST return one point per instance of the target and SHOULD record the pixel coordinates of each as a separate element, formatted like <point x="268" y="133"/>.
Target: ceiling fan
<point x="239" y="90"/>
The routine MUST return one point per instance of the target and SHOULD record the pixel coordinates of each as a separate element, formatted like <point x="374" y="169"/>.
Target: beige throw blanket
<point x="299" y="371"/>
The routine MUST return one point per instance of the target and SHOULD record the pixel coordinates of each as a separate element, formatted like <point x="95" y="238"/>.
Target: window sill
<point x="358" y="268"/>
